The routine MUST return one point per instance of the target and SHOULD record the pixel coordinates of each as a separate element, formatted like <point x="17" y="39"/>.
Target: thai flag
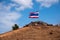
<point x="34" y="15"/>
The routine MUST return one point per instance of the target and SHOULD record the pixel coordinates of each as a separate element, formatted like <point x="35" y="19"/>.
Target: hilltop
<point x="34" y="31"/>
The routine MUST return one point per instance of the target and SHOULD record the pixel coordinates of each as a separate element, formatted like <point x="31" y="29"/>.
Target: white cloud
<point x="4" y="7"/>
<point x="7" y="17"/>
<point x="47" y="3"/>
<point x="7" y="20"/>
<point x="23" y="4"/>
<point x="18" y="4"/>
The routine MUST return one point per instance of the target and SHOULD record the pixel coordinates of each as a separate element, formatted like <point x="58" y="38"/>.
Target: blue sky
<point x="17" y="12"/>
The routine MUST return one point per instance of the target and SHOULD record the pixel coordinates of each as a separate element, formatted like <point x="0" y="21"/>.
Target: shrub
<point x="15" y="27"/>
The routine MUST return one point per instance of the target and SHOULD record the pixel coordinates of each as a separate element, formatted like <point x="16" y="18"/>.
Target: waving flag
<point x="34" y="15"/>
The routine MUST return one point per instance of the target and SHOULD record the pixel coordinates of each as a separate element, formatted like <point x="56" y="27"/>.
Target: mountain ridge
<point x="34" y="31"/>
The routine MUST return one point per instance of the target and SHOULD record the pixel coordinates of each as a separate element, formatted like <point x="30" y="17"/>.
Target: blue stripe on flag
<point x="33" y="14"/>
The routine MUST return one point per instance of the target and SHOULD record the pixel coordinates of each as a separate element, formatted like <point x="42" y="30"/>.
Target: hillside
<point x="34" y="31"/>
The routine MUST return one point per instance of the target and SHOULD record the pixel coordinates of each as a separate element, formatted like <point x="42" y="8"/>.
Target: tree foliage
<point x="15" y="27"/>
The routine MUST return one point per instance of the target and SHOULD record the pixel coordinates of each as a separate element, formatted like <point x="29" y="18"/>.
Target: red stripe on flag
<point x="33" y="16"/>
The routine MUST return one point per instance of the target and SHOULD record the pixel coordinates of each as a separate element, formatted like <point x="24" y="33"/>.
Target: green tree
<point x="15" y="27"/>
